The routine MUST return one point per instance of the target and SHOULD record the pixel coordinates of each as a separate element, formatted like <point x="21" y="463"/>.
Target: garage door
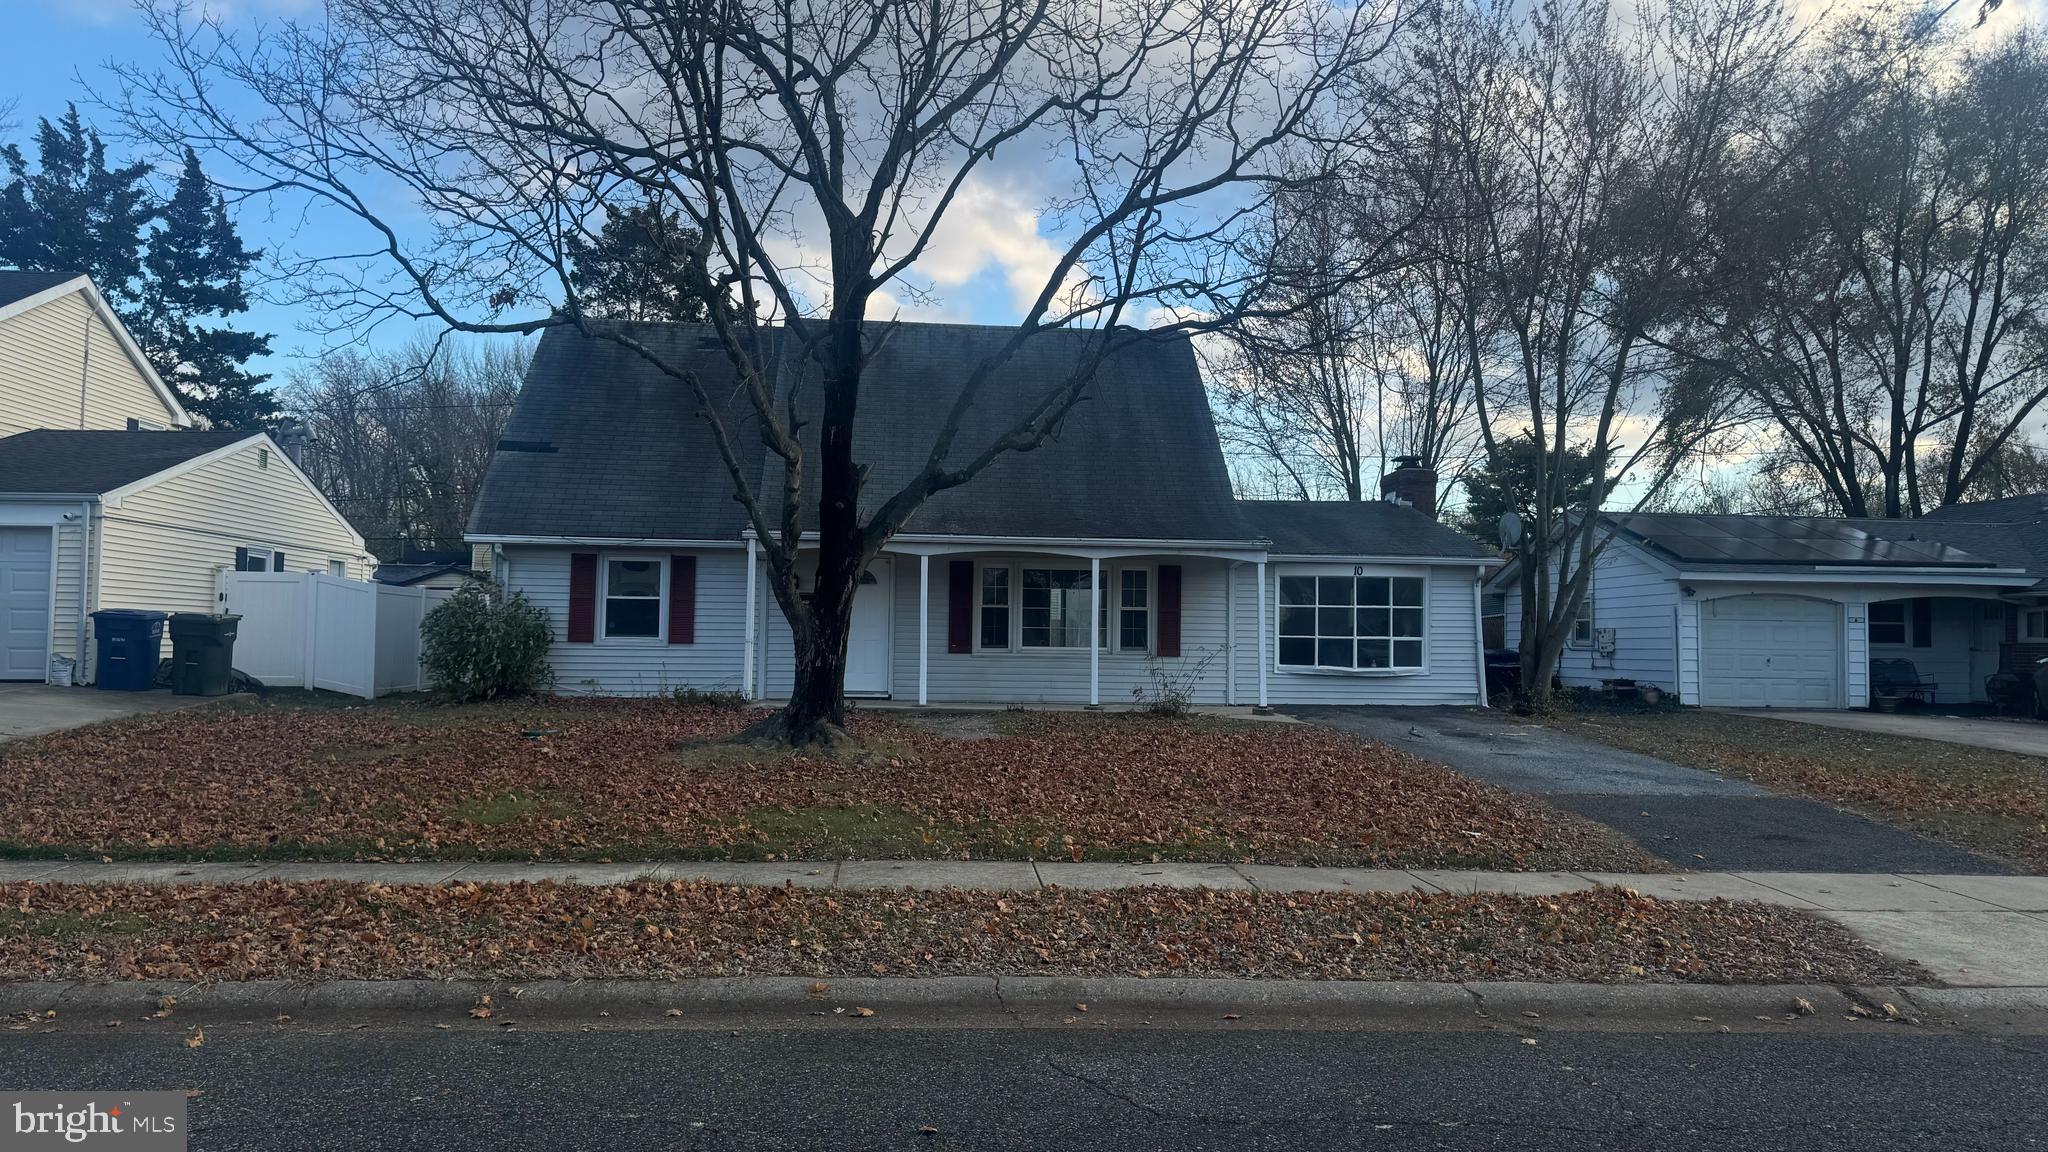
<point x="1770" y="652"/>
<point x="24" y="603"/>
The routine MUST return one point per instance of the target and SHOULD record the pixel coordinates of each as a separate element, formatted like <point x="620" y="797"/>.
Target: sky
<point x="989" y="261"/>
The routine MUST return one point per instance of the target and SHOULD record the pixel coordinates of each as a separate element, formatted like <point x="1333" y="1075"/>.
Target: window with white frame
<point x="258" y="558"/>
<point x="1352" y="623"/>
<point x="1582" y="624"/>
<point x="2034" y="624"/>
<point x="1134" y="610"/>
<point x="1055" y="608"/>
<point x="632" y="599"/>
<point x="1887" y="620"/>
<point x="995" y="608"/>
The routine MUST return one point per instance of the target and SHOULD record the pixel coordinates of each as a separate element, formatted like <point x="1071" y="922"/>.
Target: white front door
<point x="868" y="641"/>
<point x="24" y="603"/>
<point x="1770" y="652"/>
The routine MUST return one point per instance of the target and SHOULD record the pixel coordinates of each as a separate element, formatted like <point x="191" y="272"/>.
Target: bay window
<point x="1352" y="623"/>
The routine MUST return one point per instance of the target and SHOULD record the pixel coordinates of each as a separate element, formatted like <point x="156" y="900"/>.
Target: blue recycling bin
<point x="131" y="642"/>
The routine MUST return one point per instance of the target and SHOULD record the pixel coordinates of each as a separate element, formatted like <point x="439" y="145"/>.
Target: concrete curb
<point x="1037" y="1001"/>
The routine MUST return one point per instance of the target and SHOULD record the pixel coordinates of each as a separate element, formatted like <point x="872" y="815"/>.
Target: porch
<point x="1936" y="649"/>
<point x="973" y="624"/>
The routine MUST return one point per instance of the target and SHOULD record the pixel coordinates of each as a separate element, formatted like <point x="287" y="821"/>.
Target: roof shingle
<point x="22" y="285"/>
<point x="81" y="462"/>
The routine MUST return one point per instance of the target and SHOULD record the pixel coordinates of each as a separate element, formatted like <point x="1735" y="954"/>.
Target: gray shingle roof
<point x="1362" y="528"/>
<point x="80" y="462"/>
<point x="603" y="444"/>
<point x="22" y="285"/>
<point x="2017" y="543"/>
<point x="2030" y="508"/>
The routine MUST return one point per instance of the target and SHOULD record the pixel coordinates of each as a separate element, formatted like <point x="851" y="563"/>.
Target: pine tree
<point x="195" y="268"/>
<point x="635" y="268"/>
<point x="74" y="213"/>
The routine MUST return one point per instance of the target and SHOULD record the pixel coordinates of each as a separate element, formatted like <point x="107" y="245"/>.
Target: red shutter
<point x="682" y="599"/>
<point x="582" y="597"/>
<point x="1169" y="609"/>
<point x="960" y="606"/>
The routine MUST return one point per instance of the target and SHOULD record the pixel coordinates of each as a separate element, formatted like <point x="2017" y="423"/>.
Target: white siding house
<point x="1107" y="565"/>
<point x="148" y="520"/>
<point x="66" y="362"/>
<point x="1800" y="623"/>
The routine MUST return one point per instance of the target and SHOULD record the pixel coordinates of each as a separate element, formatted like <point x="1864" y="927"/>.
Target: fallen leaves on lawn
<point x="339" y="930"/>
<point x="626" y="779"/>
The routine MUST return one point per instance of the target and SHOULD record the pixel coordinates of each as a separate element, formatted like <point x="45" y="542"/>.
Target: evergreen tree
<point x="635" y="268"/>
<point x="74" y="213"/>
<point x="194" y="269"/>
<point x="1505" y="482"/>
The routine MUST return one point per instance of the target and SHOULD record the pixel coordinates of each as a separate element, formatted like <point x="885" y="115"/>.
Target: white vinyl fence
<point x="308" y="630"/>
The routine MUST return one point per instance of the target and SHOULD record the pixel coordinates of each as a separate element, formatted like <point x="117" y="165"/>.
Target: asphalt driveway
<point x="1694" y="819"/>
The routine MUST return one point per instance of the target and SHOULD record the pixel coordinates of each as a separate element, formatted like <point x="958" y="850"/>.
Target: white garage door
<point x="24" y="603"/>
<point x="1770" y="652"/>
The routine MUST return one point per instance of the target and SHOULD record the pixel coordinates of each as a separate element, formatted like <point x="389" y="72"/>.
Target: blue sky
<point x="57" y="51"/>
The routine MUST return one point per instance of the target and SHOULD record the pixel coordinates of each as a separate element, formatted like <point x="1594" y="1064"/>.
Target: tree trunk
<point x="816" y="712"/>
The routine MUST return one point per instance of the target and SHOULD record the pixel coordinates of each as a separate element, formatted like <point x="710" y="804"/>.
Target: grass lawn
<point x="532" y="931"/>
<point x="1978" y="798"/>
<point x="567" y="779"/>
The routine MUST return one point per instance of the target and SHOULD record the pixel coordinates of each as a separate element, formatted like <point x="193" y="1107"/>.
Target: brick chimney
<point x="1412" y="484"/>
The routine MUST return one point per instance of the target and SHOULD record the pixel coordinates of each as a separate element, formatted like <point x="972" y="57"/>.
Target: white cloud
<point x="987" y="226"/>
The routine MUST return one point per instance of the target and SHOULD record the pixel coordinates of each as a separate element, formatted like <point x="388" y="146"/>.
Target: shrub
<point x="478" y="645"/>
<point x="1173" y="691"/>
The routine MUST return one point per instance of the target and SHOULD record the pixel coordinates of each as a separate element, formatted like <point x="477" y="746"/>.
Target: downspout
<point x="85" y="572"/>
<point x="1479" y="627"/>
<point x="84" y="374"/>
<point x="1230" y="631"/>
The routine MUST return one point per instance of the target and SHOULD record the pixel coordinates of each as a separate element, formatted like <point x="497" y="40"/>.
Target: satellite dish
<point x="1510" y="529"/>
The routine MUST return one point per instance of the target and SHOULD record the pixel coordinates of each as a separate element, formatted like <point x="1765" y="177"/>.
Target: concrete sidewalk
<point x="2024" y="737"/>
<point x="1967" y="930"/>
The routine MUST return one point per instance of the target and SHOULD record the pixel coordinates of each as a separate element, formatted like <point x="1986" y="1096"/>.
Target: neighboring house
<point x="1791" y="611"/>
<point x="433" y="571"/>
<point x="92" y="520"/>
<point x="609" y="505"/>
<point x="66" y="362"/>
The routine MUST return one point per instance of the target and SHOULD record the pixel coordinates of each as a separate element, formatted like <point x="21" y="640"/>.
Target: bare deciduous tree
<point x="817" y="147"/>
<point x="1890" y="326"/>
<point x="400" y="441"/>
<point x="1591" y="169"/>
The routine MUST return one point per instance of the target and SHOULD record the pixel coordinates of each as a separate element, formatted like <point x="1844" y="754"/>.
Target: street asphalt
<point x="1692" y="818"/>
<point x="265" y="1086"/>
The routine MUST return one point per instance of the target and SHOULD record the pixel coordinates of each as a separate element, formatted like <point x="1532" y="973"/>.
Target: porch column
<point x="924" y="626"/>
<point x="1094" y="631"/>
<point x="1262" y="633"/>
<point x="747" y="643"/>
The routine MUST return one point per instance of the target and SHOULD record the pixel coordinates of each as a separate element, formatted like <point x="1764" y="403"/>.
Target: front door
<point x="868" y="641"/>
<point x="24" y="603"/>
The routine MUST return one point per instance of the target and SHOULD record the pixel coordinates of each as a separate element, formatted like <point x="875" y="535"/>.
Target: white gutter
<point x="1483" y="563"/>
<point x="1986" y="577"/>
<point x="604" y="541"/>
